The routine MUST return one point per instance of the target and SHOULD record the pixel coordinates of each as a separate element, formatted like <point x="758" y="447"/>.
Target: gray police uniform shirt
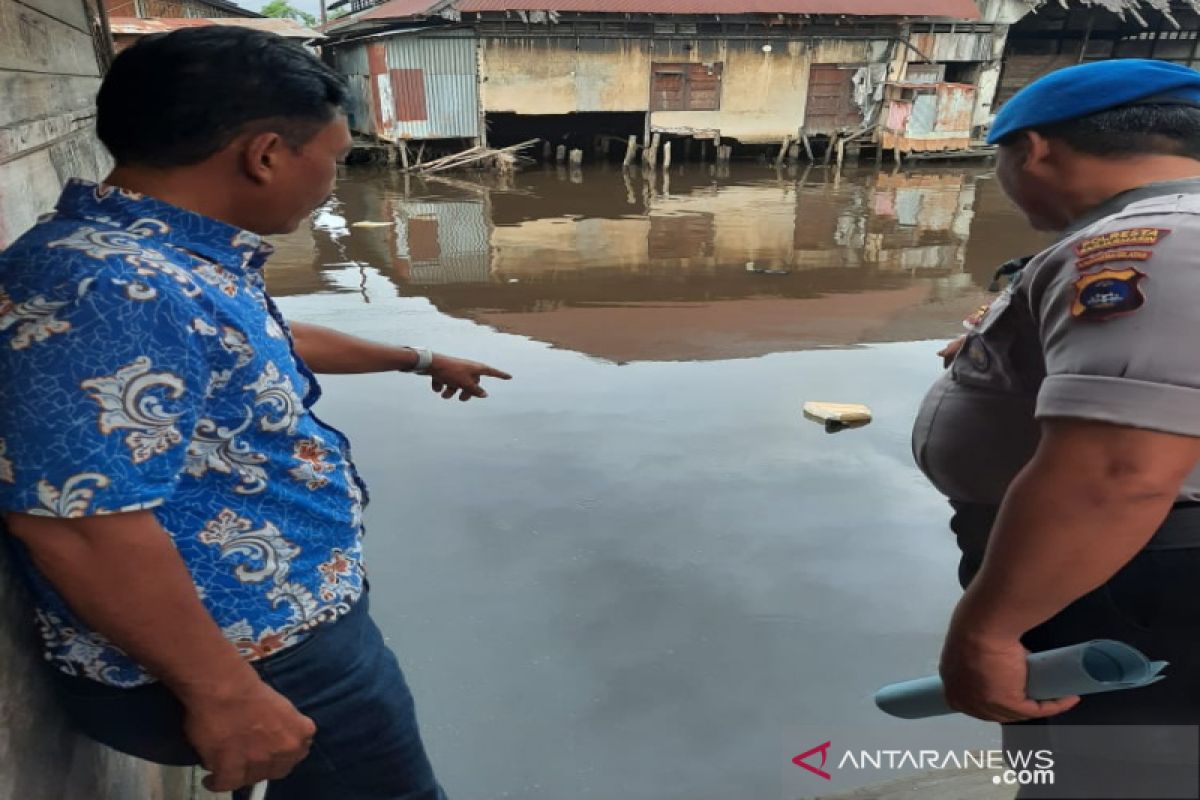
<point x="1100" y="326"/>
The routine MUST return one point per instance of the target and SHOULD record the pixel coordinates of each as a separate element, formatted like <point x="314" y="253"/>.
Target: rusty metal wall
<point x="451" y="100"/>
<point x="414" y="87"/>
<point x="956" y="101"/>
<point x="351" y="62"/>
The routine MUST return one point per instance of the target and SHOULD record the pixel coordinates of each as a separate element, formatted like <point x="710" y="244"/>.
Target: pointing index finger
<point x="495" y="373"/>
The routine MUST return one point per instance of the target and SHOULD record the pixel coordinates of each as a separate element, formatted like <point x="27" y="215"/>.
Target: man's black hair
<point x="175" y="99"/>
<point x="1153" y="129"/>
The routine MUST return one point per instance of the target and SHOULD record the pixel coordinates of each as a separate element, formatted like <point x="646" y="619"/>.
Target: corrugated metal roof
<point x="958" y="9"/>
<point x="396" y="9"/>
<point x="961" y="9"/>
<point x="287" y="28"/>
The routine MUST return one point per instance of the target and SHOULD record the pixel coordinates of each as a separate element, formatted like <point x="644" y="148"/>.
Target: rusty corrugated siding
<point x="960" y="9"/>
<point x="409" y="87"/>
<point x="956" y="9"/>
<point x="136" y="26"/>
<point x="351" y="61"/>
<point x="408" y="90"/>
<point x="444" y="69"/>
<point x="956" y="102"/>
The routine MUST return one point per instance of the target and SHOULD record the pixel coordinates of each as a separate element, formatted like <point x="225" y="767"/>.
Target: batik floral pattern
<point x="133" y="399"/>
<point x="35" y="319"/>
<point x="314" y="467"/>
<point x="146" y="369"/>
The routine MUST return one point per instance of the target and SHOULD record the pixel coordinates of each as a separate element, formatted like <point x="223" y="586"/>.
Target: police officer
<point x="1066" y="431"/>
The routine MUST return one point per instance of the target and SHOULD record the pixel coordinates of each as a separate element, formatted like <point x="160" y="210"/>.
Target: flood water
<point x="636" y="572"/>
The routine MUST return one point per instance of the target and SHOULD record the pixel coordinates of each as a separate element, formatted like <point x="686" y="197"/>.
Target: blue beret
<point x="1089" y="88"/>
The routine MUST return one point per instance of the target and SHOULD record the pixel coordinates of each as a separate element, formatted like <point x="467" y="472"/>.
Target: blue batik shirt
<point x="144" y="366"/>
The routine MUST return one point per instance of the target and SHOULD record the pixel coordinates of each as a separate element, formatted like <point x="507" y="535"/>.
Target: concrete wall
<point x="763" y="95"/>
<point x="554" y="76"/>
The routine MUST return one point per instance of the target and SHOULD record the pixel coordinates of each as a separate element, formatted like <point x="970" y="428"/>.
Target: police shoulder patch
<point x="1108" y="293"/>
<point x="1114" y="240"/>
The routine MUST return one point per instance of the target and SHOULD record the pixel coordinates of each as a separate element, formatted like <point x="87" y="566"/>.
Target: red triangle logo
<point x="823" y="749"/>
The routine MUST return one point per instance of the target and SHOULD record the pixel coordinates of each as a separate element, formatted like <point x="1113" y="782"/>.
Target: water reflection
<point x="653" y="581"/>
<point x="638" y="266"/>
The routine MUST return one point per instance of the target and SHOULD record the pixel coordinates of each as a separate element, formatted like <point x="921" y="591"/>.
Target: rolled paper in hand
<point x="1092" y="667"/>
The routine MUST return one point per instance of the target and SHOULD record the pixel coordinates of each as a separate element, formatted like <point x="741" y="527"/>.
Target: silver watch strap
<point x="424" y="359"/>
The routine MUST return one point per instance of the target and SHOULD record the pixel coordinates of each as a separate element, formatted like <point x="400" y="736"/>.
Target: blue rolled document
<point x="1092" y="667"/>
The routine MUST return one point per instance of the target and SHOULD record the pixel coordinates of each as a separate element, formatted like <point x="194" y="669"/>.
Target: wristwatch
<point x="424" y="360"/>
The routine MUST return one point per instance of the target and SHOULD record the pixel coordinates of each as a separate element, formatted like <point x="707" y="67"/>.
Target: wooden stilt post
<point x="783" y="151"/>
<point x="794" y="153"/>
<point x="404" y="155"/>
<point x="420" y="153"/>
<point x="831" y="149"/>
<point x="841" y="152"/>
<point x="808" y="151"/>
<point x="576" y="158"/>
<point x="703" y="150"/>
<point x="630" y="151"/>
<point x="666" y="156"/>
<point x="561" y="154"/>
<point x="655" y="141"/>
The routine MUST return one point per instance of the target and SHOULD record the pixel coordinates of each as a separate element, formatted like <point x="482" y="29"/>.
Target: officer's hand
<point x="246" y="733"/>
<point x="951" y="349"/>
<point x="985" y="678"/>
<point x="457" y="375"/>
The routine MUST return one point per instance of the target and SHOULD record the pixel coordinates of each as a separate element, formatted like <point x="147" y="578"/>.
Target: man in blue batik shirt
<point x="190" y="529"/>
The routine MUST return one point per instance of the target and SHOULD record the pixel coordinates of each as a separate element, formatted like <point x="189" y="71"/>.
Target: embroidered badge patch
<point x="1108" y="293"/>
<point x="1096" y="259"/>
<point x="1113" y="240"/>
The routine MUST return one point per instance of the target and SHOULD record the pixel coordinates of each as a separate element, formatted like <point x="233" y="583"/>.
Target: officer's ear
<point x="1034" y="151"/>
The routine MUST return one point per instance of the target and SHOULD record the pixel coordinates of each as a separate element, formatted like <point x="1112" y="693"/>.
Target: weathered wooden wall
<point x="50" y="69"/>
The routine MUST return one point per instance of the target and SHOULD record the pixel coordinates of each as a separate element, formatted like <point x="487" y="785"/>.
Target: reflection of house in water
<point x="707" y="270"/>
<point x="443" y="242"/>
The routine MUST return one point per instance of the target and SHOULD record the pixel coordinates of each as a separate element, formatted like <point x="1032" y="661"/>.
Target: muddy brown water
<point x="637" y="571"/>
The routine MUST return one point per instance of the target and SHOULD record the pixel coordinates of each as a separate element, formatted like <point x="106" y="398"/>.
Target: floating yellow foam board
<point x="847" y="413"/>
<point x="366" y="223"/>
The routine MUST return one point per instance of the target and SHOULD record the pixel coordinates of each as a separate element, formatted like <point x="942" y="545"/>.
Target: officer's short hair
<point x="175" y="99"/>
<point x="1152" y="129"/>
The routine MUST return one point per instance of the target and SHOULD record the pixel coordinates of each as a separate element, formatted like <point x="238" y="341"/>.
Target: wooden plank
<point x="30" y="96"/>
<point x="22" y="137"/>
<point x="33" y="42"/>
<point x="71" y="12"/>
<point x="29" y="188"/>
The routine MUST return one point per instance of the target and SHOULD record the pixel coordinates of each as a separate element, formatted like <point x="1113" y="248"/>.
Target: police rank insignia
<point x="1108" y="293"/>
<point x="1115" y="240"/>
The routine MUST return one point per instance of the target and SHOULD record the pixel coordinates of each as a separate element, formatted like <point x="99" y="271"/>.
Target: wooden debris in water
<point x="366" y="223"/>
<point x="503" y="159"/>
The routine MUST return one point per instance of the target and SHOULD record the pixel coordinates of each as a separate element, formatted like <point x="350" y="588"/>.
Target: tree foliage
<point x="282" y="9"/>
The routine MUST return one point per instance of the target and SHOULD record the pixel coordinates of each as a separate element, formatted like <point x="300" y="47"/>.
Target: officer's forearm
<point x="327" y="351"/>
<point x="123" y="576"/>
<point x="1088" y="501"/>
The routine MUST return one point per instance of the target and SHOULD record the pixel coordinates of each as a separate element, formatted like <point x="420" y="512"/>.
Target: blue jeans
<point x="343" y="676"/>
